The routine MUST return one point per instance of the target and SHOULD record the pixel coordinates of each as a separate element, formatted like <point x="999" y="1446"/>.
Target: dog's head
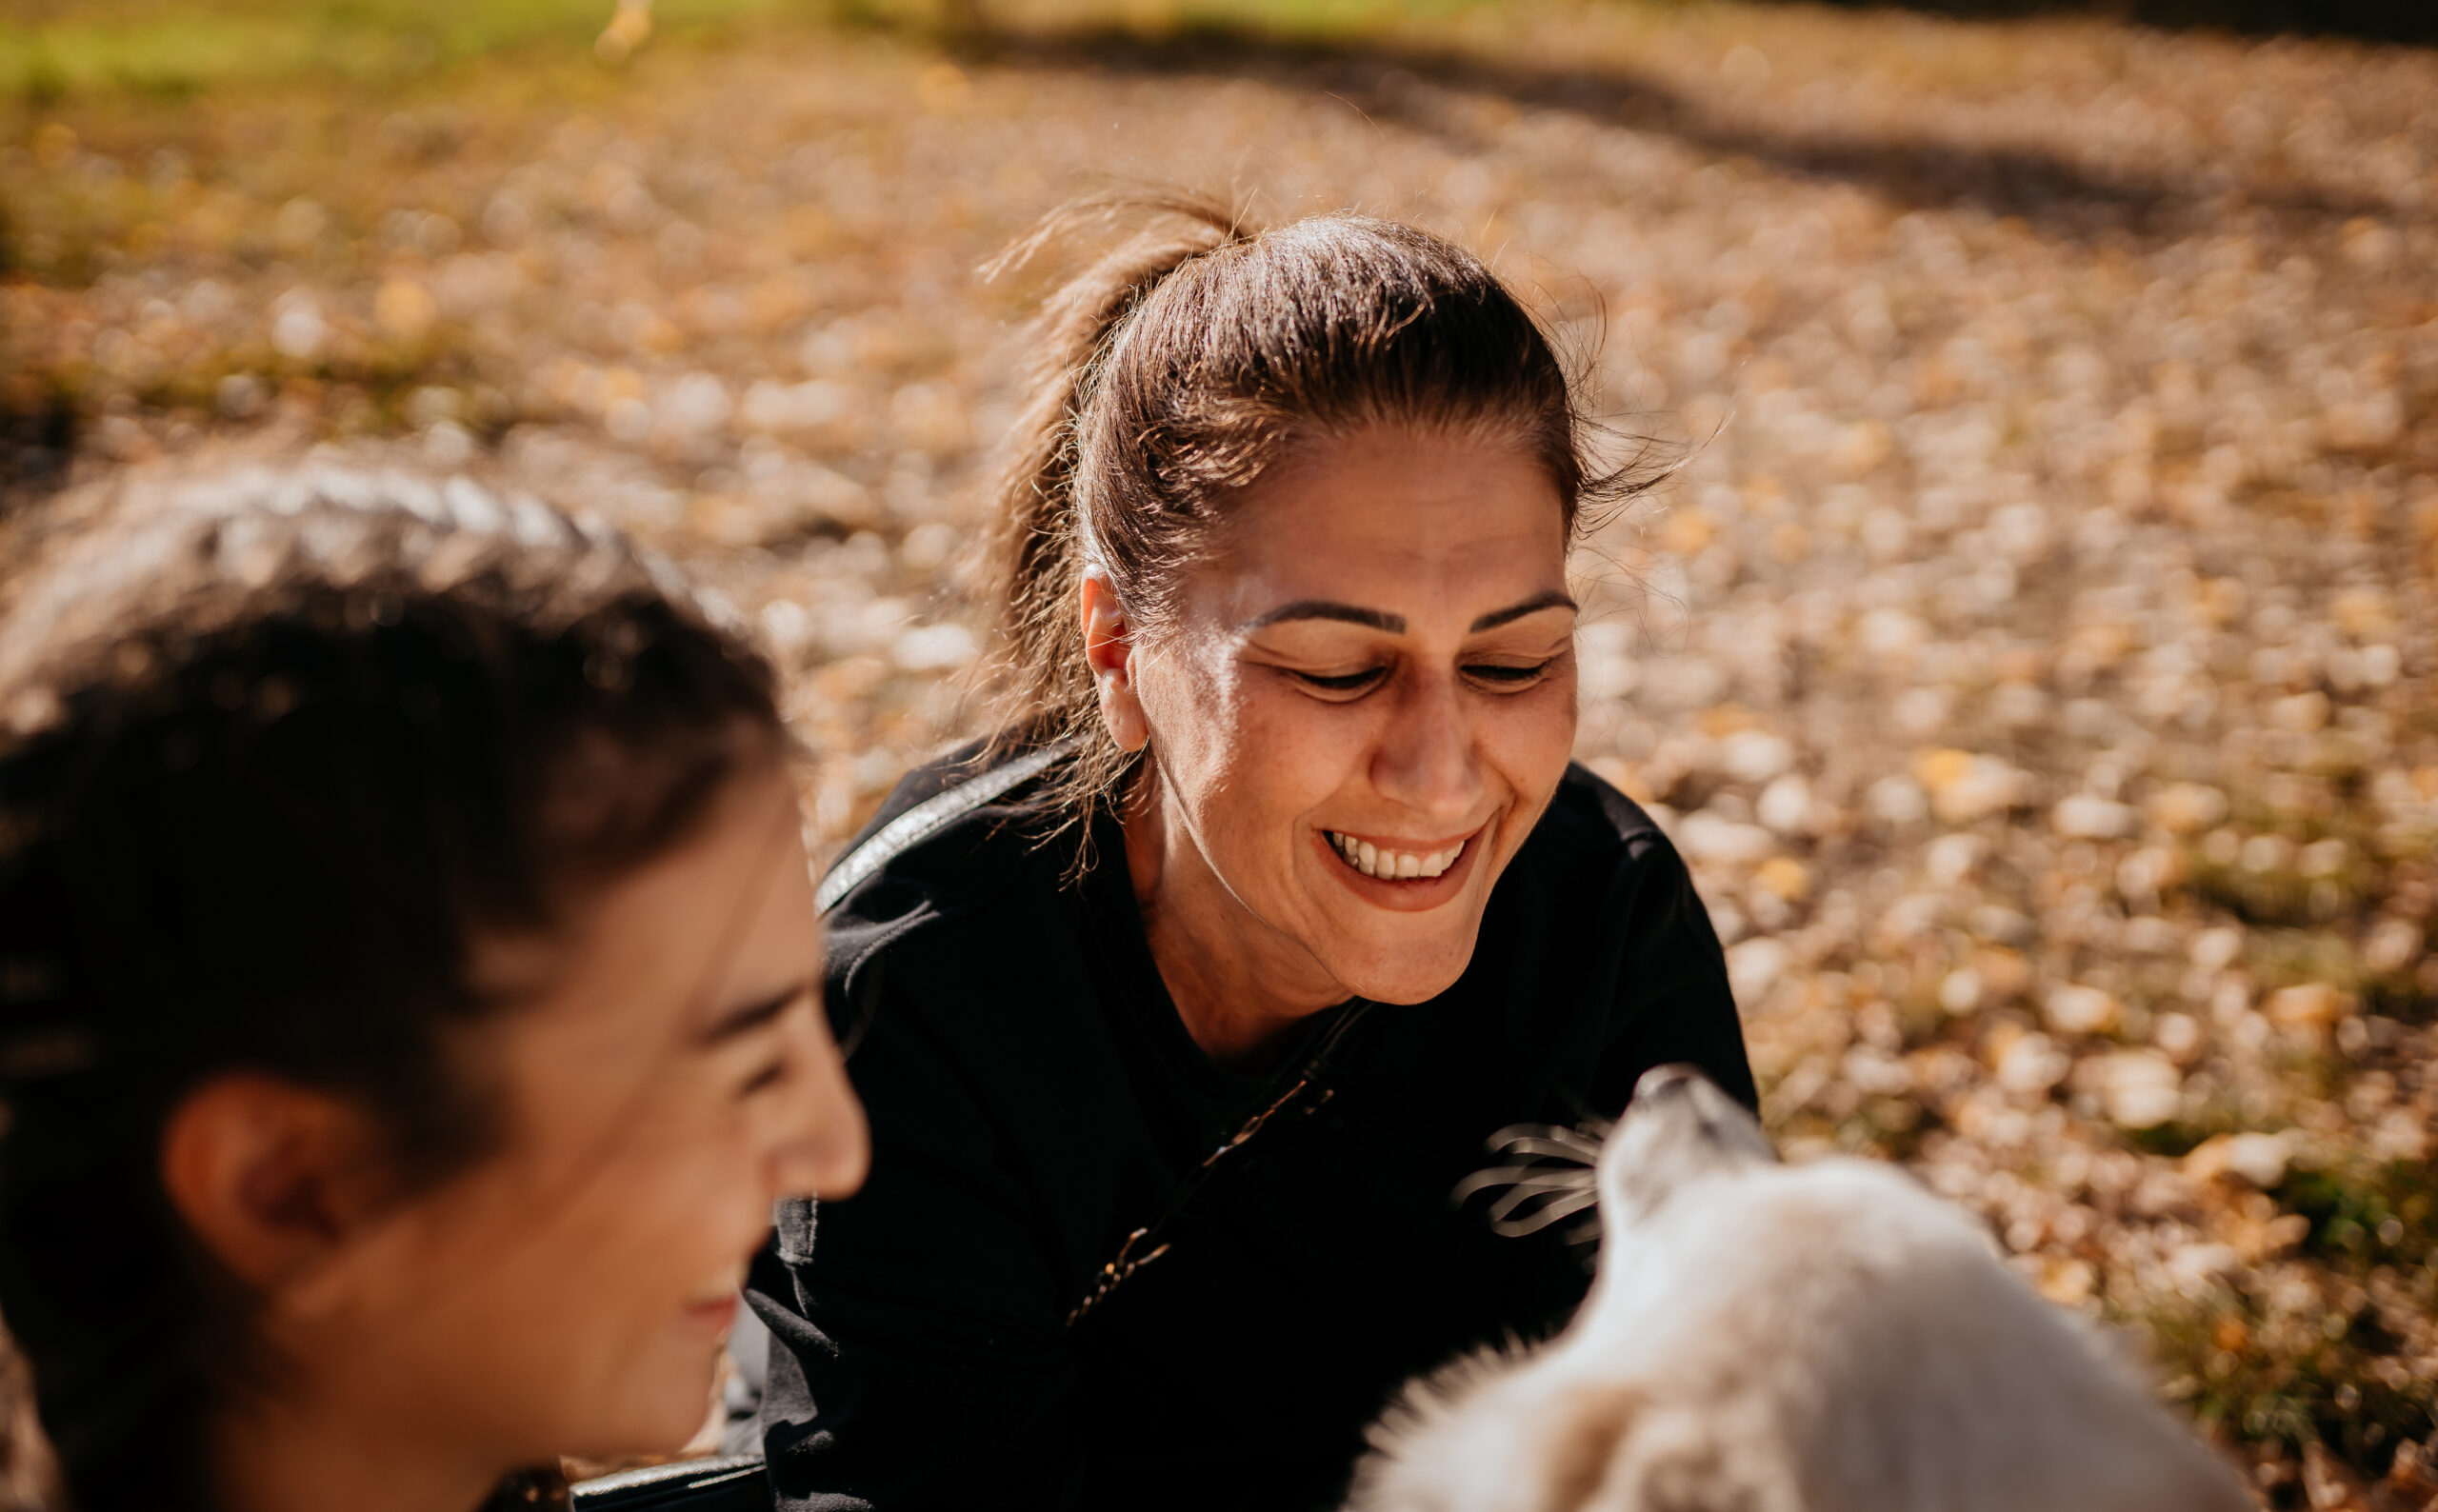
<point x="1828" y="1336"/>
<point x="1679" y="1131"/>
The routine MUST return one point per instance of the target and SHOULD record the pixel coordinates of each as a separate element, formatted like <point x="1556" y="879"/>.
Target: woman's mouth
<point x="1389" y="864"/>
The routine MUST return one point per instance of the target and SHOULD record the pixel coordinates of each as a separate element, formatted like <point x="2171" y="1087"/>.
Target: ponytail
<point x="1034" y="545"/>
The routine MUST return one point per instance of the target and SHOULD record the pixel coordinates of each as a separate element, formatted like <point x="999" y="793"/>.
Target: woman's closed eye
<point x="1354" y="682"/>
<point x="1509" y="675"/>
<point x="1502" y="676"/>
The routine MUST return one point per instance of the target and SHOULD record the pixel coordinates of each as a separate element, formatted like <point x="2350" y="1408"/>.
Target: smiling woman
<point x="1405" y="731"/>
<point x="1280" y="856"/>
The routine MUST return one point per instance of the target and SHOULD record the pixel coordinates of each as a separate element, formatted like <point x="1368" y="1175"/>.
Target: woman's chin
<point x="1401" y="971"/>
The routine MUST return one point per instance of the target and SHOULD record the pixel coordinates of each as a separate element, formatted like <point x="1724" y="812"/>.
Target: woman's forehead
<point x="1397" y="522"/>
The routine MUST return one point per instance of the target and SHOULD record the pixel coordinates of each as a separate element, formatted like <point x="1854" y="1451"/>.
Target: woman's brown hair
<point x="271" y="754"/>
<point x="1203" y="351"/>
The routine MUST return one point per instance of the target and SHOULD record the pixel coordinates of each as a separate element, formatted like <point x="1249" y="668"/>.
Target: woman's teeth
<point x="1395" y="865"/>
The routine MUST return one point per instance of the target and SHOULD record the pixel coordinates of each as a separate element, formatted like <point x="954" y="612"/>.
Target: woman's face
<point x="674" y="1075"/>
<point x="1367" y="701"/>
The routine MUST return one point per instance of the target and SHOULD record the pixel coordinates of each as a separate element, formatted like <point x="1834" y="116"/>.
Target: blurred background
<point x="2035" y="655"/>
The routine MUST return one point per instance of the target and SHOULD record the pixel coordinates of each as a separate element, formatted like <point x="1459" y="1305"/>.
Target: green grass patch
<point x="166" y="48"/>
<point x="2276" y="1376"/>
<point x="2174" y="1140"/>
<point x="151" y="47"/>
<point x="2275" y="1385"/>
<point x="2384" y="1216"/>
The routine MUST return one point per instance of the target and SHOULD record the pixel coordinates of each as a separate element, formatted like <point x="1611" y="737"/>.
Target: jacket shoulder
<point x="955" y="802"/>
<point x="956" y="840"/>
<point x="1587" y="812"/>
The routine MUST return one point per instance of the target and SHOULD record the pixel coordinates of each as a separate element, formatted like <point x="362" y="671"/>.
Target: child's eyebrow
<point x="752" y="1016"/>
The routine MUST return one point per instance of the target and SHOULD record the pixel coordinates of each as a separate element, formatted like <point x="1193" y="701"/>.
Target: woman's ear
<point x="1108" y="649"/>
<point x="272" y="1178"/>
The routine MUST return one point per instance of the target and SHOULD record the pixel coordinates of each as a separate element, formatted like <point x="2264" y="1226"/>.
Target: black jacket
<point x="1034" y="1099"/>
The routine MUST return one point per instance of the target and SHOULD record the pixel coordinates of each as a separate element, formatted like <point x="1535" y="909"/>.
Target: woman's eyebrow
<point x="1553" y="599"/>
<point x="1328" y="609"/>
<point x="1395" y="624"/>
<point x="753" y="1015"/>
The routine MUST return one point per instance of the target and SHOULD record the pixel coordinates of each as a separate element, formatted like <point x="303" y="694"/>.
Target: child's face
<point x="672" y="1075"/>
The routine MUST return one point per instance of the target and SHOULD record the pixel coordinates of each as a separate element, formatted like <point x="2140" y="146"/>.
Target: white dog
<point x="1766" y="1338"/>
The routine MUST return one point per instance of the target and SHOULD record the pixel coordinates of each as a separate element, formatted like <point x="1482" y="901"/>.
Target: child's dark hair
<point x="1179" y="366"/>
<point x="268" y="757"/>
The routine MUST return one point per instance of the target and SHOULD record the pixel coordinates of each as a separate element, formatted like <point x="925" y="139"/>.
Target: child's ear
<point x="1108" y="649"/>
<point x="271" y="1178"/>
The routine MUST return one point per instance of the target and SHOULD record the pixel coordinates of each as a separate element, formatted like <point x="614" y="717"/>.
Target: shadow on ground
<point x="1425" y="89"/>
<point x="2413" y="21"/>
<point x="37" y="437"/>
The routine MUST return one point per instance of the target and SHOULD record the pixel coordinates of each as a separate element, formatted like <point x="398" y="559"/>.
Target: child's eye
<point x="1343" y="682"/>
<point x="768" y="1077"/>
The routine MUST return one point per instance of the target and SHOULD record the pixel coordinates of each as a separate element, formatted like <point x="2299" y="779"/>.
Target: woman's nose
<point x="1426" y="762"/>
<point x="823" y="1145"/>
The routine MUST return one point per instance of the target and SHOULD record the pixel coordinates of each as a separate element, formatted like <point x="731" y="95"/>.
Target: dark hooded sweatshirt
<point x="1035" y="1100"/>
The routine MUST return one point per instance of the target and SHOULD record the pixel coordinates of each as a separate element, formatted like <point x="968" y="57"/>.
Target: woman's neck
<point x="306" y="1452"/>
<point x="1241" y="988"/>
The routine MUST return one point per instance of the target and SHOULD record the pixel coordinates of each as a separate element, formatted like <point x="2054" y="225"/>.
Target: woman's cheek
<point x="1530" y="742"/>
<point x="1542" y="737"/>
<point x="1196" y="717"/>
<point x="1302" y="749"/>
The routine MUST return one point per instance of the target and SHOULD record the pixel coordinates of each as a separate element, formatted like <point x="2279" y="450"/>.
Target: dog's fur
<point x="1766" y="1338"/>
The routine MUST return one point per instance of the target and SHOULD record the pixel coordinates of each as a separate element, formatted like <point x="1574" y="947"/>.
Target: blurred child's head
<point x="409" y="985"/>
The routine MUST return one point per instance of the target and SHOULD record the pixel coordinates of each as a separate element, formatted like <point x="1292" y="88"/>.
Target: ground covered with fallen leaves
<point x="2034" y="656"/>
